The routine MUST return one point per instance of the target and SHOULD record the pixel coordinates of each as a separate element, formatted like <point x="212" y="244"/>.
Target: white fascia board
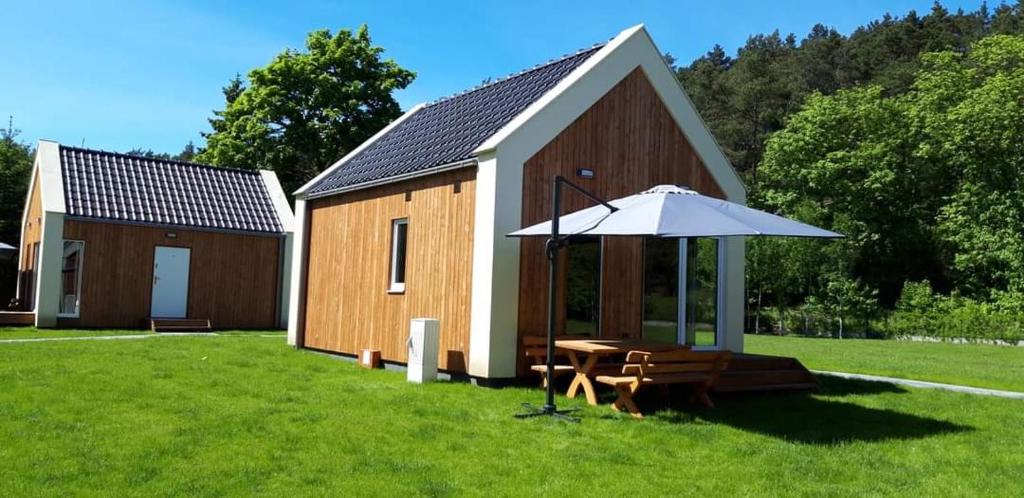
<point x="494" y="302"/>
<point x="48" y="275"/>
<point x="301" y="192"/>
<point x="280" y="200"/>
<point x="558" y="90"/>
<point x="297" y="287"/>
<point x="285" y="298"/>
<point x="584" y="86"/>
<point x="51" y="186"/>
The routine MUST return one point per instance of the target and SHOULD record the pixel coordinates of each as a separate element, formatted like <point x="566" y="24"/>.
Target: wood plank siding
<point x="632" y="143"/>
<point x="348" y="306"/>
<point x="233" y="278"/>
<point x="32" y="233"/>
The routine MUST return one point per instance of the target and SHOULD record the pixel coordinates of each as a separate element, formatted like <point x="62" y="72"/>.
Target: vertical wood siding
<point x="32" y="233"/>
<point x="632" y="143"/>
<point x="33" y="225"/>
<point x="233" y="278"/>
<point x="348" y="306"/>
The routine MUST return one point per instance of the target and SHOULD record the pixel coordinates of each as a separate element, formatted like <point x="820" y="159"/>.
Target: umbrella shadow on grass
<point x="805" y="418"/>
<point x="839" y="386"/>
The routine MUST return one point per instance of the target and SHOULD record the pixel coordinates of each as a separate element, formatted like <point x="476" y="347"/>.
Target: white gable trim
<point x="24" y="214"/>
<point x="301" y="192"/>
<point x="494" y="305"/>
<point x="280" y="200"/>
<point x="584" y="86"/>
<point x="51" y="188"/>
<point x="46" y="170"/>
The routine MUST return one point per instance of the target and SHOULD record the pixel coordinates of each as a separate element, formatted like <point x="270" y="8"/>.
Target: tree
<point x="188" y="153"/>
<point x="747" y="97"/>
<point x="306" y="109"/>
<point x="927" y="185"/>
<point x="845" y="162"/>
<point x="977" y="121"/>
<point x="15" y="169"/>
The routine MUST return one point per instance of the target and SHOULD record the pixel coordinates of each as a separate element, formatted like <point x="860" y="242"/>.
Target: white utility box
<point x="424" y="341"/>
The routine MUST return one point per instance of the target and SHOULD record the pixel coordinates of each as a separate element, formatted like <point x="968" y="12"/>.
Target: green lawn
<point x="34" y="333"/>
<point x="247" y="415"/>
<point x="994" y="367"/>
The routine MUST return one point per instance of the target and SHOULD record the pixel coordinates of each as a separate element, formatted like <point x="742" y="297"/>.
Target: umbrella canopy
<point x="671" y="211"/>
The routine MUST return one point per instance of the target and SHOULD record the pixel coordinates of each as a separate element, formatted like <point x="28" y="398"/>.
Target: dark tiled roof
<point x="447" y="131"/>
<point x="128" y="188"/>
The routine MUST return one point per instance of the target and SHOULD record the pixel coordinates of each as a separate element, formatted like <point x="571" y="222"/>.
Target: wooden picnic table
<point x="593" y="350"/>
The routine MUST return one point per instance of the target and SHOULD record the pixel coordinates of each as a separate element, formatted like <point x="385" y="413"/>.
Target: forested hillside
<point x="908" y="137"/>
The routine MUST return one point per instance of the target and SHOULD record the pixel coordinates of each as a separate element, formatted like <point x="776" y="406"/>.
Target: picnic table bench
<point x="536" y="348"/>
<point x="590" y="357"/>
<point x="643" y="368"/>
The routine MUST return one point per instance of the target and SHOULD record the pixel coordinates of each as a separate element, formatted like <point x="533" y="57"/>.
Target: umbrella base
<point x="548" y="410"/>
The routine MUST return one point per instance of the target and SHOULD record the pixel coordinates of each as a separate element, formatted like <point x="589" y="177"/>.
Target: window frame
<point x="394" y="286"/>
<point x="78" y="281"/>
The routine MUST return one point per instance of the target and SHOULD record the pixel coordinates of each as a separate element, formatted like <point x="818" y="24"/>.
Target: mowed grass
<point x="34" y="333"/>
<point x="247" y="415"/>
<point x="978" y="365"/>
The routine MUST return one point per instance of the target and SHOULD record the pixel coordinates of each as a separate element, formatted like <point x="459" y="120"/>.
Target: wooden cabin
<point x="413" y="222"/>
<point x="112" y="240"/>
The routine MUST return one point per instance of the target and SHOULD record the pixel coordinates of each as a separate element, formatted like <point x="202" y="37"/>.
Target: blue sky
<point x="148" y="74"/>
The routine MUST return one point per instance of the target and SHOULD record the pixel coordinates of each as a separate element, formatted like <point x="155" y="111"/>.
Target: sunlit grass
<point x="995" y="367"/>
<point x="247" y="415"/>
<point x="34" y="333"/>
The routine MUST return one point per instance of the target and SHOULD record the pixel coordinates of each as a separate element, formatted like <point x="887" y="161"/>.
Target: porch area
<point x="670" y="372"/>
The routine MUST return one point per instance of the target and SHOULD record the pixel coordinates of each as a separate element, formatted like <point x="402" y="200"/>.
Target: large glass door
<point x="661" y="290"/>
<point x="701" y="316"/>
<point x="583" y="287"/>
<point x="681" y="291"/>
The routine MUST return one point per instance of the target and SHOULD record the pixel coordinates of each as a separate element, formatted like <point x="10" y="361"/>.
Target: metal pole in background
<point x="554" y="243"/>
<point x="551" y="248"/>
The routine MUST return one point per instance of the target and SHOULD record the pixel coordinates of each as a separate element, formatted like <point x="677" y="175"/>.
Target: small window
<point x="399" y="237"/>
<point x="71" y="278"/>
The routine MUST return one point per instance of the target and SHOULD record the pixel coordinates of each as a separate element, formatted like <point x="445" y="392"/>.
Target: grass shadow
<point x="840" y="386"/>
<point x="806" y="419"/>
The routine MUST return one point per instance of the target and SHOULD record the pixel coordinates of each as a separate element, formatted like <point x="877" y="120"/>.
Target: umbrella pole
<point x="551" y="248"/>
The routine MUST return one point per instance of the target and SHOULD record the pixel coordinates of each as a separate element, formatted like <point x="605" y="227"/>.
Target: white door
<point x="170" y="282"/>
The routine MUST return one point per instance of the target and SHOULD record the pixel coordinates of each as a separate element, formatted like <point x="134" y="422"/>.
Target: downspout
<point x="280" y="281"/>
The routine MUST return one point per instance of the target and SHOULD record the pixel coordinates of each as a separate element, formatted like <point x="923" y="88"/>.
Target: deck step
<point x="751" y="372"/>
<point x="764" y="377"/>
<point x="755" y="362"/>
<point x="17" y="318"/>
<point x="805" y="386"/>
<point x="180" y="324"/>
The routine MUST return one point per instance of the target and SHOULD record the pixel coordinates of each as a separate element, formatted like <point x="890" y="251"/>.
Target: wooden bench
<point x="697" y="368"/>
<point x="536" y="350"/>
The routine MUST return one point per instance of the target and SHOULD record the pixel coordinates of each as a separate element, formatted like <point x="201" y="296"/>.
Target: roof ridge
<point x="522" y="72"/>
<point x="254" y="171"/>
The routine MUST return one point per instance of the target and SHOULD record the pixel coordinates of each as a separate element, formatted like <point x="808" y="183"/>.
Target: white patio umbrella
<point x="664" y="211"/>
<point x="671" y="211"/>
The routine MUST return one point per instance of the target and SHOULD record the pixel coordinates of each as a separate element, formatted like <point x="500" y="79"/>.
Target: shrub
<point x="920" y="312"/>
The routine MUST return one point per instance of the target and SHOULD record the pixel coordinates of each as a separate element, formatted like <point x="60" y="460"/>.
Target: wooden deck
<point x="16" y="318"/>
<point x="752" y="372"/>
